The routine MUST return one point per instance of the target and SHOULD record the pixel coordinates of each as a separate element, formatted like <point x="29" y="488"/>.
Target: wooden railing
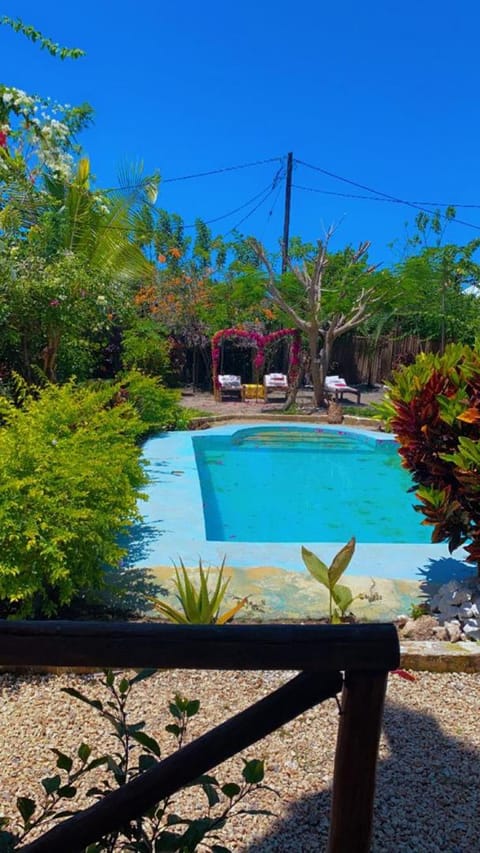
<point x="353" y="660"/>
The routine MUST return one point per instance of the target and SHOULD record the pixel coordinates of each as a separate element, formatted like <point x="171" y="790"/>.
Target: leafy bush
<point x="144" y="348"/>
<point x="433" y="406"/>
<point x="161" y="828"/>
<point x="157" y="407"/>
<point x="69" y="482"/>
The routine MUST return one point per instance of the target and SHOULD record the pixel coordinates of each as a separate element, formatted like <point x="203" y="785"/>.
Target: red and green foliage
<point x="434" y="409"/>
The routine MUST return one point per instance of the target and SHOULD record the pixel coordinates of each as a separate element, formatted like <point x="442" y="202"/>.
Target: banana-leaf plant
<point x="340" y="597"/>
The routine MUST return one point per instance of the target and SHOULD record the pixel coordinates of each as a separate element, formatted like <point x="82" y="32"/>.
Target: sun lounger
<point x="229" y="385"/>
<point x="336" y="385"/>
<point x="275" y="382"/>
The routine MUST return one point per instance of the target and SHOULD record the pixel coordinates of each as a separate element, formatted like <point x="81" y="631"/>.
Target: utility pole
<point x="286" y="218"/>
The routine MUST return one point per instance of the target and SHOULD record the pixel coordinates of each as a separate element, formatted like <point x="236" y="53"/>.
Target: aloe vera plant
<point x="200" y="604"/>
<point x="340" y="596"/>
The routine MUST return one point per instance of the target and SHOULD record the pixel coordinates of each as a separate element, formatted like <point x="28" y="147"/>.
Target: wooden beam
<point x="318" y="648"/>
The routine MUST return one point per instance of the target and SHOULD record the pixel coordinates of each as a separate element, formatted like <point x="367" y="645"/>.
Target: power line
<point x="386" y="196"/>
<point x="224" y="169"/>
<point x="235" y="210"/>
<point x="263" y="195"/>
<point x="276" y="180"/>
<point x="383" y="198"/>
<point x="198" y="174"/>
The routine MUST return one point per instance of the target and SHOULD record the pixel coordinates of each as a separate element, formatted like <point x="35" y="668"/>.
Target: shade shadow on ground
<point x="427" y="798"/>
<point x="443" y="570"/>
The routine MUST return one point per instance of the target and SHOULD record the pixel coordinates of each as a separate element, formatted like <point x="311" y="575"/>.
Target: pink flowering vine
<point x="260" y="342"/>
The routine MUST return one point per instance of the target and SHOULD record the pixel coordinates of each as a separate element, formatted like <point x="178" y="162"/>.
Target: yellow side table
<point x="252" y="392"/>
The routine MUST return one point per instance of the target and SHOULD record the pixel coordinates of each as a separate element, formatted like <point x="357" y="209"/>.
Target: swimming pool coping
<point x="174" y="522"/>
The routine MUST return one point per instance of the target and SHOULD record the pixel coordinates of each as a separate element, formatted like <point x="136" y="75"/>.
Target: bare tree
<point x="320" y="326"/>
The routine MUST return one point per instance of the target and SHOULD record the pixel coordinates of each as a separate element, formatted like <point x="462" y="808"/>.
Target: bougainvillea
<point x="260" y="342"/>
<point x="433" y="406"/>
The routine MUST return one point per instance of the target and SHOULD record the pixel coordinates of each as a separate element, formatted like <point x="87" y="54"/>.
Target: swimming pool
<point x="291" y="484"/>
<point x="174" y="524"/>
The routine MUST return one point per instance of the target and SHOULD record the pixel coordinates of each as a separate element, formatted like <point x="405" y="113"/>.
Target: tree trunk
<point x="292" y="392"/>
<point x="316" y="368"/>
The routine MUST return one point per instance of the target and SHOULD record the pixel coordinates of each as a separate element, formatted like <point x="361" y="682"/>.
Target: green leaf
<point x="67" y="791"/>
<point x="192" y="707"/>
<point x="173" y="729"/>
<point x="231" y="789"/>
<point x="26" y="807"/>
<point x="254" y="771"/>
<point x="97" y="762"/>
<point x="211" y="794"/>
<point x="51" y="784"/>
<point x="315" y="566"/>
<point x="148" y="742"/>
<point x="146" y="762"/>
<point x="84" y="752"/>
<point x="124" y="686"/>
<point x="142" y="675"/>
<point x="94" y="703"/>
<point x="340" y="562"/>
<point x="175" y="711"/>
<point x="64" y="762"/>
<point x="109" y="678"/>
<point x="342" y="596"/>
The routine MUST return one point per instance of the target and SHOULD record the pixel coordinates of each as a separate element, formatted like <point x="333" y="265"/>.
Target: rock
<point x="401" y="620"/>
<point x="420" y="629"/>
<point x="441" y="633"/>
<point x="471" y="629"/>
<point x="454" y="631"/>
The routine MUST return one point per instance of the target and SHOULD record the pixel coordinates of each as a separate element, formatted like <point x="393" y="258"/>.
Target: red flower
<point x="3" y="139"/>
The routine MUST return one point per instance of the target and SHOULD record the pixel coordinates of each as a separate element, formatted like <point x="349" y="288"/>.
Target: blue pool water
<point x="291" y="484"/>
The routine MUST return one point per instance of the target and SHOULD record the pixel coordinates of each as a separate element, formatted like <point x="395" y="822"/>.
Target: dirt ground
<point x="205" y="402"/>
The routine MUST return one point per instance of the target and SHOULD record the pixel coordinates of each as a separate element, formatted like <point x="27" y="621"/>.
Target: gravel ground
<point x="428" y="776"/>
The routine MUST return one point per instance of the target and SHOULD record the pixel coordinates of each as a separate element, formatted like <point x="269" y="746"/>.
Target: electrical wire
<point x="235" y="210"/>
<point x="384" y="199"/>
<point x="386" y="196"/>
<point x="200" y="174"/>
<point x="263" y="195"/>
<point x="276" y="181"/>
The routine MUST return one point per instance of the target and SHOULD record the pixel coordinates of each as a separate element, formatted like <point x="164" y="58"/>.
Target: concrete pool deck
<point x="272" y="574"/>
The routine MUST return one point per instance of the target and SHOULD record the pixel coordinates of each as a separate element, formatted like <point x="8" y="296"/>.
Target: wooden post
<point x="355" y="762"/>
<point x="286" y="218"/>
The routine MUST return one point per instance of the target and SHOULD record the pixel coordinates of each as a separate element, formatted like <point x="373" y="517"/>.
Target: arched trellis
<point x="260" y="342"/>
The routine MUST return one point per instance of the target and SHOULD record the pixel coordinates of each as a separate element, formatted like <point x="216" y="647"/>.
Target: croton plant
<point x="433" y="407"/>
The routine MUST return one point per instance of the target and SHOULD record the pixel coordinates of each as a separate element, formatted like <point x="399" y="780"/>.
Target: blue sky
<point x="383" y="93"/>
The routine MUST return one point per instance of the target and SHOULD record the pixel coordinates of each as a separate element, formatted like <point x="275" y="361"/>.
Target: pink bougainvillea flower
<point x="54" y="303"/>
<point x="3" y="139"/>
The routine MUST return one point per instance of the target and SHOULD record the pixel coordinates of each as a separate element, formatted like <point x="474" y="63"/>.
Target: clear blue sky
<point x="383" y="93"/>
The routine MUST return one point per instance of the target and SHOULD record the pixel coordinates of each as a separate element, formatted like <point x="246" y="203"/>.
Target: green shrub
<point x="157" y="407"/>
<point x="69" y="482"/>
<point x="144" y="348"/>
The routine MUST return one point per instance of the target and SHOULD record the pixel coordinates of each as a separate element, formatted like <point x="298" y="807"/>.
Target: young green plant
<point x="200" y="605"/>
<point x="340" y="597"/>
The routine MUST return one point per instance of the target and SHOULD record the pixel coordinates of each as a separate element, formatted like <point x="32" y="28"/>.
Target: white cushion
<point x="275" y="379"/>
<point x="229" y="379"/>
